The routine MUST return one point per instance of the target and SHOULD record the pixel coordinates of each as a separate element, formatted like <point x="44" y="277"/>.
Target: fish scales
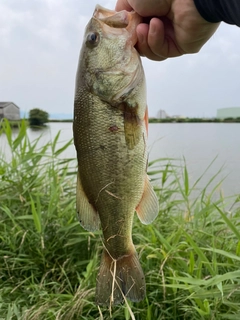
<point x="119" y="170"/>
<point x="110" y="136"/>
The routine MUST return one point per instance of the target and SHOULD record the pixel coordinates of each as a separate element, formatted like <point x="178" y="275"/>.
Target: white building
<point x="9" y="110"/>
<point x="162" y="114"/>
<point x="224" y="113"/>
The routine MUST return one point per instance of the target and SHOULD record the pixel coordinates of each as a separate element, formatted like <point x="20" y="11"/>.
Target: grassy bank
<point x="48" y="263"/>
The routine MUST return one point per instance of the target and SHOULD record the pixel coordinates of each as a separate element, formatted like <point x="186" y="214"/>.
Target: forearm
<point x="219" y="10"/>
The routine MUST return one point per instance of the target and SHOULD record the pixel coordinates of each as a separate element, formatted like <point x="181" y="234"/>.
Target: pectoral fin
<point x="148" y="208"/>
<point x="133" y="126"/>
<point x="87" y="215"/>
<point x="132" y="129"/>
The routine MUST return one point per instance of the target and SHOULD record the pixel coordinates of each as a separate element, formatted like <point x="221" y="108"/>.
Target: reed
<point x="48" y="263"/>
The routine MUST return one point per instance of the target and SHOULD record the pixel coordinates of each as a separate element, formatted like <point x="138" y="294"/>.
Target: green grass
<point x="48" y="263"/>
<point x="12" y="123"/>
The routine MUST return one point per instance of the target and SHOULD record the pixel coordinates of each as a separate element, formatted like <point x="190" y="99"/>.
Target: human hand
<point x="173" y="28"/>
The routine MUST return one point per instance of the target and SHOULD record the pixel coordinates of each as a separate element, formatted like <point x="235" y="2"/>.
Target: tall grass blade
<point x="186" y="180"/>
<point x="21" y="135"/>
<point x="36" y="216"/>
<point x="7" y="130"/>
<point x="229" y="223"/>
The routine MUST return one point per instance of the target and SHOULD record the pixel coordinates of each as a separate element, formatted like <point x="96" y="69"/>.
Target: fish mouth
<point x="119" y="20"/>
<point x="112" y="18"/>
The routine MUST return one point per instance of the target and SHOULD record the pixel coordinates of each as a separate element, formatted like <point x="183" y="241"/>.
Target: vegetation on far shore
<point x="48" y="263"/>
<point x="194" y="120"/>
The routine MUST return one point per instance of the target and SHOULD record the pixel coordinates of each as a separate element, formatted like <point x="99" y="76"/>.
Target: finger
<point x="156" y="37"/>
<point x="142" y="44"/>
<point x="123" y="5"/>
<point x="161" y="38"/>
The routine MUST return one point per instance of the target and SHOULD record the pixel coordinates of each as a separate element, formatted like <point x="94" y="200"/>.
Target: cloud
<point x="10" y="20"/>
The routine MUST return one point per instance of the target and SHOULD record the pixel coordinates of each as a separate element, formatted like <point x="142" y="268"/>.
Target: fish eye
<point x="92" y="39"/>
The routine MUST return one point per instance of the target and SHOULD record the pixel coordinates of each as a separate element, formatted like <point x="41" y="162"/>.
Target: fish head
<point x="109" y="65"/>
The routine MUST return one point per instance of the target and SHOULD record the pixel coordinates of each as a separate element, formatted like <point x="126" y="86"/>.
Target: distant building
<point x="162" y="114"/>
<point x="178" y="116"/>
<point x="224" y="113"/>
<point x="9" y="110"/>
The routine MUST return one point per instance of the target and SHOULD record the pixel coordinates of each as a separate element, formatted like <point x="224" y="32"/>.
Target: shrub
<point x="37" y="117"/>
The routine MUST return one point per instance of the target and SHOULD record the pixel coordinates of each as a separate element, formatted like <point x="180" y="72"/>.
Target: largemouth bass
<point x="110" y="134"/>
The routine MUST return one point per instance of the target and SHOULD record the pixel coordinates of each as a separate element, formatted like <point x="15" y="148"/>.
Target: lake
<point x="198" y="143"/>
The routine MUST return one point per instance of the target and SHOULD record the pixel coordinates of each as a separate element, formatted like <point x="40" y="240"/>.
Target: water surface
<point x="198" y="143"/>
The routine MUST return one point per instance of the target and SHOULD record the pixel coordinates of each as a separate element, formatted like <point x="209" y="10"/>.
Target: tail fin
<point x="119" y="278"/>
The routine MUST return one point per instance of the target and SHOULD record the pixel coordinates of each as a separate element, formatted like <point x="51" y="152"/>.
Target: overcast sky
<point x="40" y="42"/>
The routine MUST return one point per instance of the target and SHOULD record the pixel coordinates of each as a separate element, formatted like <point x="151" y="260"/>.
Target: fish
<point x="110" y="136"/>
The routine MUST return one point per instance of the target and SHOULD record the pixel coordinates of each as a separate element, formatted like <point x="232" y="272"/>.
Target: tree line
<point x="193" y="120"/>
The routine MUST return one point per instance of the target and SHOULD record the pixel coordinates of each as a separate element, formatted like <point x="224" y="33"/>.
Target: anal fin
<point x="148" y="208"/>
<point x="87" y="215"/>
